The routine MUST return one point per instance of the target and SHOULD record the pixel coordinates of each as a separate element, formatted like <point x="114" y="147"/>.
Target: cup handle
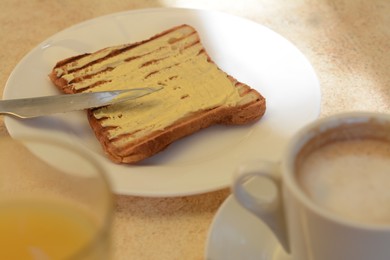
<point x="269" y="209"/>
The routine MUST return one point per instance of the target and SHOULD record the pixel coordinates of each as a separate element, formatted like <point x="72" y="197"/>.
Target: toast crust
<point x="250" y="110"/>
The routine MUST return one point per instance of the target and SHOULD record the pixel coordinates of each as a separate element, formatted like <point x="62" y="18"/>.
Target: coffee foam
<point x="348" y="174"/>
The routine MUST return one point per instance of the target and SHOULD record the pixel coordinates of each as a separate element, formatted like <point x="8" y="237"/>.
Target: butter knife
<point x="41" y="106"/>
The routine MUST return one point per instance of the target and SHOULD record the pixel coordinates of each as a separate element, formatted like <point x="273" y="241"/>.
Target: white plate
<point x="237" y="234"/>
<point x="203" y="162"/>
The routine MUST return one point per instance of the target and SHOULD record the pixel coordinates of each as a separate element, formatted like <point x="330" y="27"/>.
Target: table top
<point x="347" y="42"/>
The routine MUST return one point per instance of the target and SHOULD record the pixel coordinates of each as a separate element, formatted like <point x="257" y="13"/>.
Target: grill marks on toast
<point x="76" y="74"/>
<point x="175" y="59"/>
<point x="111" y="54"/>
<point x="116" y="51"/>
<point x="78" y="79"/>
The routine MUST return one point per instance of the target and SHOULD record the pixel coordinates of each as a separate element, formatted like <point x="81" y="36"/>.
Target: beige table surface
<point x="347" y="42"/>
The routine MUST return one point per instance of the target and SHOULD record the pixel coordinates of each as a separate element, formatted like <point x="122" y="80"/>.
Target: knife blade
<point x="41" y="106"/>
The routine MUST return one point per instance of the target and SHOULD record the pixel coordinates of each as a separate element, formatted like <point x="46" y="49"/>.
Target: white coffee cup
<point x="313" y="212"/>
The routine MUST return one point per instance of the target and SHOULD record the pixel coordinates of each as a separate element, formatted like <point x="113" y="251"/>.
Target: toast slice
<point x="195" y="94"/>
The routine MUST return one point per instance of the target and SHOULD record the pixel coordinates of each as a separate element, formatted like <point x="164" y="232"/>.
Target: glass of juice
<point x="55" y="202"/>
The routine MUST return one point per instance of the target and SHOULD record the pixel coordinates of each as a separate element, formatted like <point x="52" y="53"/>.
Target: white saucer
<point x="235" y="233"/>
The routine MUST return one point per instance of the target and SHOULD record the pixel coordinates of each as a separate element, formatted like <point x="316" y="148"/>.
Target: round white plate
<point x="204" y="161"/>
<point x="237" y="234"/>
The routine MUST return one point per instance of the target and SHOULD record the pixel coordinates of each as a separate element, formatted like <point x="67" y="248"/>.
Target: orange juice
<point x="43" y="230"/>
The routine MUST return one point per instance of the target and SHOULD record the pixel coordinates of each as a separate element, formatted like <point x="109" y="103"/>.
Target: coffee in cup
<point x="349" y="176"/>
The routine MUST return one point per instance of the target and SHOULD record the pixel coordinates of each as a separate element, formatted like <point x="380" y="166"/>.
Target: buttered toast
<point x="195" y="93"/>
